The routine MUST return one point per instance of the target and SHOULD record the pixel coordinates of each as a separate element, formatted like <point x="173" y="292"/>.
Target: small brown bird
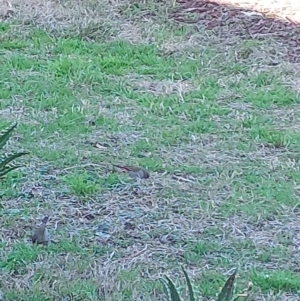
<point x="40" y="235"/>
<point x="135" y="171"/>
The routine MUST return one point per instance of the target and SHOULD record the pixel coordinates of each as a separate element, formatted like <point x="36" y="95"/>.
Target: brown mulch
<point x="246" y="19"/>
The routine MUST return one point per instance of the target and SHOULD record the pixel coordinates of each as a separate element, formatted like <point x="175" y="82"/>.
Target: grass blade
<point x="190" y="288"/>
<point x="226" y="293"/>
<point x="5" y="134"/>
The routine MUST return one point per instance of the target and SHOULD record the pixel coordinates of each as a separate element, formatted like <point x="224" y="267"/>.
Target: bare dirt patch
<point x="284" y="9"/>
<point x="231" y="23"/>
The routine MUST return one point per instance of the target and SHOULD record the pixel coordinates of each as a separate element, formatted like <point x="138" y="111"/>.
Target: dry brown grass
<point x="209" y="189"/>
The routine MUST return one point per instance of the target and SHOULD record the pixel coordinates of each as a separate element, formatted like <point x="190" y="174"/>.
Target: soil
<point x="247" y="19"/>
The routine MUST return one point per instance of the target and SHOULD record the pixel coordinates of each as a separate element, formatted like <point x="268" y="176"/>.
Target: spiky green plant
<point x="6" y="164"/>
<point x="226" y="294"/>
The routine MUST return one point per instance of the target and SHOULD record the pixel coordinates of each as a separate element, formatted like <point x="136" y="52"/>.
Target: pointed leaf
<point x="173" y="290"/>
<point x="165" y="287"/>
<point x="11" y="158"/>
<point x="8" y="166"/>
<point x="7" y="170"/>
<point x="226" y="293"/>
<point x="5" y="134"/>
<point x="190" y="288"/>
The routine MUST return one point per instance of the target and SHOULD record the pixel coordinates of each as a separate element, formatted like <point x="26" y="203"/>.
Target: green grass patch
<point x="218" y="135"/>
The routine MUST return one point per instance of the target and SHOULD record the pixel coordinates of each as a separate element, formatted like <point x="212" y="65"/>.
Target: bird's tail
<point x="119" y="166"/>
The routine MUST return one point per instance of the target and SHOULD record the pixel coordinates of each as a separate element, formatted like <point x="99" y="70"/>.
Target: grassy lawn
<point x="217" y="126"/>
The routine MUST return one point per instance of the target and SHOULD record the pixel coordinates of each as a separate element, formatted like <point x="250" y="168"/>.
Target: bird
<point x="134" y="171"/>
<point x="40" y="235"/>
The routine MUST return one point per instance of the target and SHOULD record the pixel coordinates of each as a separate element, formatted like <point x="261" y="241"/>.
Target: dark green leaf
<point x="5" y="135"/>
<point x="165" y="287"/>
<point x="190" y="288"/>
<point x="5" y="171"/>
<point x="8" y="159"/>
<point x="173" y="290"/>
<point x="226" y="293"/>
